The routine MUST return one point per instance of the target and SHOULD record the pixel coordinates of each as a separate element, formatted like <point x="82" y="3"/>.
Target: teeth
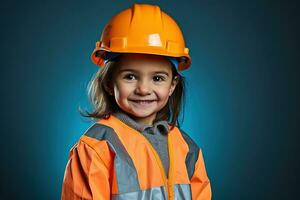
<point x="143" y="102"/>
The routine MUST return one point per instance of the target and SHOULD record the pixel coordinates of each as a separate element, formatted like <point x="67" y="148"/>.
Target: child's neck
<point x="145" y="121"/>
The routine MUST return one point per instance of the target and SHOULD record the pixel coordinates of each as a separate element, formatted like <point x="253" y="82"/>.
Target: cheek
<point x="121" y="91"/>
<point x="163" y="93"/>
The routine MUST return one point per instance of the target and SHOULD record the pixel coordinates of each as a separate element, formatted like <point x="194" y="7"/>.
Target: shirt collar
<point x="158" y="127"/>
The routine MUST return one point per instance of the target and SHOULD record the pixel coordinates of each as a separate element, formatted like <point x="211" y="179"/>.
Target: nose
<point x="143" y="88"/>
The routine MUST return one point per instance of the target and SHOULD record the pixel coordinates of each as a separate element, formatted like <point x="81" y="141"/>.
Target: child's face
<point x="142" y="86"/>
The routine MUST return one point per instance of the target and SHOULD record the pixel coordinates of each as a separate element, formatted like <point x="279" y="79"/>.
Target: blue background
<point x="242" y="103"/>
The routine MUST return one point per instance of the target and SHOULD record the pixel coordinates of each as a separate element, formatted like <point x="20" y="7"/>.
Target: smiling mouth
<point x="143" y="102"/>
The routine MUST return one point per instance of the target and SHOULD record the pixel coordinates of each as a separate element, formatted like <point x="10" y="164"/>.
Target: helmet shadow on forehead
<point x="135" y="57"/>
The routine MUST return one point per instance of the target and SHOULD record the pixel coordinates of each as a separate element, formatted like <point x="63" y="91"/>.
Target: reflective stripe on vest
<point x="182" y="192"/>
<point x="158" y="193"/>
<point x="192" y="155"/>
<point x="127" y="179"/>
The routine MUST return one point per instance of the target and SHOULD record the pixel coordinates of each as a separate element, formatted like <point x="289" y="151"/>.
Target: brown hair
<point x="105" y="104"/>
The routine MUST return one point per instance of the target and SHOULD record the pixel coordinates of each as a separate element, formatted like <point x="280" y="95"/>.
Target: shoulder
<point x="193" y="146"/>
<point x="97" y="142"/>
<point x="101" y="134"/>
<point x="99" y="131"/>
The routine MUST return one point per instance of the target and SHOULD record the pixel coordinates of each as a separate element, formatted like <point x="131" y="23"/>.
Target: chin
<point x="142" y="114"/>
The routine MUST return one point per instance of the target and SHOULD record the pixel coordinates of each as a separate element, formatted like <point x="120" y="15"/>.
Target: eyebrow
<point x="136" y="71"/>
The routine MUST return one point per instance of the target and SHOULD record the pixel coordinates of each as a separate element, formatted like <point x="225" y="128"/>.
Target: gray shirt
<point x="156" y="134"/>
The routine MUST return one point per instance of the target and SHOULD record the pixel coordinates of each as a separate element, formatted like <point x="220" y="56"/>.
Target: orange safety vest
<point x="114" y="161"/>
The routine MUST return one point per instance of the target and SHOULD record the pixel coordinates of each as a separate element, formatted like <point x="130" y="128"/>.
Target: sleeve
<point x="200" y="184"/>
<point x="86" y="176"/>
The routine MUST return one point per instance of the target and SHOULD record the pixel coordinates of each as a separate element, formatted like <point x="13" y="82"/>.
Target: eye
<point x="129" y="77"/>
<point x="158" y="78"/>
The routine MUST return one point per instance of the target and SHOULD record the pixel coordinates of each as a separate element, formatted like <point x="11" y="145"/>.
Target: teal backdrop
<point x="242" y="104"/>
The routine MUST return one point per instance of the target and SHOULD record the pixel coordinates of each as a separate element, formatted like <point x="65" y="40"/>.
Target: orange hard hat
<point x="145" y="29"/>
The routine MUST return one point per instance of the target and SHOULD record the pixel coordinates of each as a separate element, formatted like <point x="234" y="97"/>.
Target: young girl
<point x="135" y="149"/>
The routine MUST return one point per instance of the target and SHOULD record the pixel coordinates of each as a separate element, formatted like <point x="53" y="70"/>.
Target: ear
<point x="173" y="85"/>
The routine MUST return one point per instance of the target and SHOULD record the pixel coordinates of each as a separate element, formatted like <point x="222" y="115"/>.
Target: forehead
<point x="144" y="62"/>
